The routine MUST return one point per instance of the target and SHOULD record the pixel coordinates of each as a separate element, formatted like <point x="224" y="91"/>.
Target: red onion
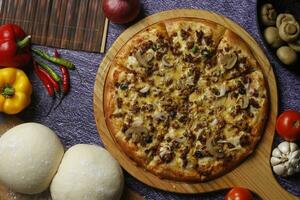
<point x="121" y="11"/>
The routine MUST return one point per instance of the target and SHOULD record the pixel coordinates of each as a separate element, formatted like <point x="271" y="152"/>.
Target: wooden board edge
<point x="104" y="36"/>
<point x="155" y="18"/>
<point x="135" y="31"/>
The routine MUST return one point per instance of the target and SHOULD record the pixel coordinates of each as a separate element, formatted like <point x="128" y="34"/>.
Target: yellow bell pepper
<point x="15" y="90"/>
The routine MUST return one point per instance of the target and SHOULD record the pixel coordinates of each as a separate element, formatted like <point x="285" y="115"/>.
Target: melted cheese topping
<point x="187" y="110"/>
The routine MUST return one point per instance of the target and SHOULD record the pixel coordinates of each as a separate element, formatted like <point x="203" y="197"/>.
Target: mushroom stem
<point x="140" y="59"/>
<point x="213" y="150"/>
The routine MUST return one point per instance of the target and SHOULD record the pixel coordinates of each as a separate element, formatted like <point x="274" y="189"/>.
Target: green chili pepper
<point x="195" y="49"/>
<point x="55" y="60"/>
<point x="52" y="73"/>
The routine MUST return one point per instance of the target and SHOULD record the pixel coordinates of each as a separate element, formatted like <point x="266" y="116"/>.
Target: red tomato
<point x="239" y="193"/>
<point x="288" y="125"/>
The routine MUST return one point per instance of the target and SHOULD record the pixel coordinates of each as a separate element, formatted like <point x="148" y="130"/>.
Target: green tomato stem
<point x="296" y="123"/>
<point x="24" y="42"/>
<point x="8" y="91"/>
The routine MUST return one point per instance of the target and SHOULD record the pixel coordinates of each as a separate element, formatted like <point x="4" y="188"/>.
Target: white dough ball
<point x="30" y="154"/>
<point x="87" y="172"/>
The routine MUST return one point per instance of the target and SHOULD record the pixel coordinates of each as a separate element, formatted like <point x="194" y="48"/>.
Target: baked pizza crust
<point x="149" y="33"/>
<point x="172" y="25"/>
<point x="221" y="37"/>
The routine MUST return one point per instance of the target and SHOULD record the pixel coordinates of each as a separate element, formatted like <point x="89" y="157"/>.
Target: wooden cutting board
<point x="7" y="122"/>
<point x="71" y="24"/>
<point x="254" y="173"/>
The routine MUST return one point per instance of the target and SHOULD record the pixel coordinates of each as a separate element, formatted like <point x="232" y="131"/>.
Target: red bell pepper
<point x="14" y="46"/>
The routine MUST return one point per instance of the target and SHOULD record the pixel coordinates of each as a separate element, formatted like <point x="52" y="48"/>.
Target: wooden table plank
<point x="71" y="24"/>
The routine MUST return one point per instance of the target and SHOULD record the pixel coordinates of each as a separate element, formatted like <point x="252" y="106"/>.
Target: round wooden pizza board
<point x="254" y="173"/>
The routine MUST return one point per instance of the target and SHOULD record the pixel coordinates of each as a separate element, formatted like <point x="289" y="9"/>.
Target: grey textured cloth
<point x="74" y="122"/>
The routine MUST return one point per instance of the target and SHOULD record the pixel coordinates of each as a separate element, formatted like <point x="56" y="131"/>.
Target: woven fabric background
<point x="74" y="122"/>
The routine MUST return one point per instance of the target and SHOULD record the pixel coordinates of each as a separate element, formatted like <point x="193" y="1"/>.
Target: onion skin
<point x="121" y="11"/>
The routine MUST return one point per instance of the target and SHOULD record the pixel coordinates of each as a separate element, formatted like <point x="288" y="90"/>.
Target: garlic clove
<point x="290" y="171"/>
<point x="297" y="168"/>
<point x="287" y="164"/>
<point x="296" y="155"/>
<point x="279" y="170"/>
<point x="275" y="161"/>
<point x="276" y="153"/>
<point x="293" y="147"/>
<point x="284" y="147"/>
<point x="295" y="158"/>
<point x="294" y="162"/>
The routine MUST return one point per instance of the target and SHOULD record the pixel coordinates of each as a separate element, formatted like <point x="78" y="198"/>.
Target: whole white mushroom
<point x="30" y="154"/>
<point x="287" y="55"/>
<point x="272" y="37"/>
<point x="87" y="172"/>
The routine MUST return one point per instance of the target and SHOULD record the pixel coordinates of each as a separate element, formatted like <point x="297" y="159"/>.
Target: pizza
<point x="186" y="99"/>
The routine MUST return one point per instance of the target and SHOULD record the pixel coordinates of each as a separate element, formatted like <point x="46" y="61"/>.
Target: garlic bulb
<point x="285" y="159"/>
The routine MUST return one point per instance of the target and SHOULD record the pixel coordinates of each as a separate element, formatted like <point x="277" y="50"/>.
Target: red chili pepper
<point x="14" y="46"/>
<point x="50" y="78"/>
<point x="46" y="82"/>
<point x="65" y="75"/>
